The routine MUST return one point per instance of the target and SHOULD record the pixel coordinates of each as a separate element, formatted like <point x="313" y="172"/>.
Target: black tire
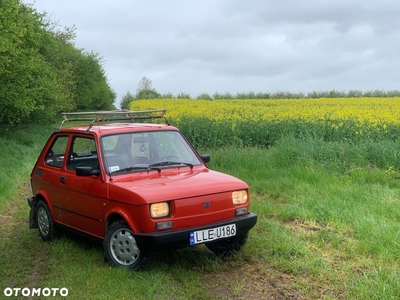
<point x="120" y="247"/>
<point x="45" y="222"/>
<point x="227" y="246"/>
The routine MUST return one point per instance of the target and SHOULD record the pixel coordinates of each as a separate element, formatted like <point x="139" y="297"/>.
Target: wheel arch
<point x="119" y="216"/>
<point x="42" y="197"/>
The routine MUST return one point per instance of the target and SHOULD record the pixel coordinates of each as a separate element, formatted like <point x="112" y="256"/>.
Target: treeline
<point x="146" y="91"/>
<point x="152" y="94"/>
<point x="301" y="95"/>
<point x="42" y="72"/>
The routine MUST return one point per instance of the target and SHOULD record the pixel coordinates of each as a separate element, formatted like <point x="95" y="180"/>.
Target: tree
<point x="92" y="89"/>
<point x="145" y="90"/>
<point x="28" y="82"/>
<point x="144" y="84"/>
<point x="148" y="94"/>
<point x="41" y="71"/>
<point x="204" y="96"/>
<point x="126" y="100"/>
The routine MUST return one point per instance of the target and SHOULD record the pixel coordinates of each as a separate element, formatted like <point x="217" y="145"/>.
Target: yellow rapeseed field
<point x="329" y="118"/>
<point x="371" y="110"/>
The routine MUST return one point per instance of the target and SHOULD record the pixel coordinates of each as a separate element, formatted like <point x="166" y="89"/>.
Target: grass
<point x="327" y="210"/>
<point x="19" y="150"/>
<point x="329" y="227"/>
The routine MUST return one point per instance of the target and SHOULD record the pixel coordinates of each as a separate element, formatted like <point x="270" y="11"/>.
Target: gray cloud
<point x="234" y="46"/>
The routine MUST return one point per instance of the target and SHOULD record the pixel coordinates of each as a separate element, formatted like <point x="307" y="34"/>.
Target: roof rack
<point x="113" y="115"/>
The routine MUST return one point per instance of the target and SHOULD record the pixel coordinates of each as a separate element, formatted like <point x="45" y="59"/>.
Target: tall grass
<point x="327" y="210"/>
<point x="19" y="149"/>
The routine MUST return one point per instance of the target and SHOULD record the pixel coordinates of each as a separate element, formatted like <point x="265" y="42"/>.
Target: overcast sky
<point x="236" y="46"/>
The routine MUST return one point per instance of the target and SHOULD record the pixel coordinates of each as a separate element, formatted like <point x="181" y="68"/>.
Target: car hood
<point x="169" y="184"/>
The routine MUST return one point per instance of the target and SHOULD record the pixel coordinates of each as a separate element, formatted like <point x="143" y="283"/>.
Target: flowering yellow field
<point x="371" y="110"/>
<point x="330" y="118"/>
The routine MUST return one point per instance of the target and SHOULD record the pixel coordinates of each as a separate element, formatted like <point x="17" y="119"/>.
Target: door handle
<point x="63" y="179"/>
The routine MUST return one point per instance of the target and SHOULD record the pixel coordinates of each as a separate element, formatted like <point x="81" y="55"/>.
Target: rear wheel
<point x="120" y="247"/>
<point x="229" y="245"/>
<point x="45" y="222"/>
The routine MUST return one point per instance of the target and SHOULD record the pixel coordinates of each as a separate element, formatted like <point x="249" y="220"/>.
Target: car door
<point x="48" y="174"/>
<point x="82" y="198"/>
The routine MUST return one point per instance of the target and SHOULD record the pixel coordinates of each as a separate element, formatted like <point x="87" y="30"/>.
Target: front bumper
<point x="181" y="238"/>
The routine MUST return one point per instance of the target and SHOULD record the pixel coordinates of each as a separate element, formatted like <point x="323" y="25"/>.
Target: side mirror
<point x="206" y="158"/>
<point x="86" y="171"/>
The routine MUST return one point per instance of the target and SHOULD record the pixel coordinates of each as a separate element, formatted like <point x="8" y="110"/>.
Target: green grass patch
<point x="329" y="222"/>
<point x="19" y="150"/>
<point x="326" y="209"/>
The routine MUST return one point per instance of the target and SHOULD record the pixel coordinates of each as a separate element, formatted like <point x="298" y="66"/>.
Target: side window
<point x="55" y="156"/>
<point x="83" y="153"/>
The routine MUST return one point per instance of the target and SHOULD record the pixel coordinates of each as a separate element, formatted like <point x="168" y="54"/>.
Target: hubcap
<point x="123" y="247"/>
<point x="43" y="221"/>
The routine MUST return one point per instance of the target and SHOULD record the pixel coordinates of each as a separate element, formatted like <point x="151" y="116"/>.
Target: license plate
<point x="208" y="235"/>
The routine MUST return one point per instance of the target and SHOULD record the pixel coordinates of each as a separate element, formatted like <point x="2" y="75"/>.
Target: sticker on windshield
<point x="113" y="169"/>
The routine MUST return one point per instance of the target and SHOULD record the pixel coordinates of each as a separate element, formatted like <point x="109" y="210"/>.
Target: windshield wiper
<point x="152" y="166"/>
<point x="134" y="168"/>
<point x="170" y="163"/>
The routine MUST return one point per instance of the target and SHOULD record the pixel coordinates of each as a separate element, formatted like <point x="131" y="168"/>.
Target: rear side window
<point x="56" y="153"/>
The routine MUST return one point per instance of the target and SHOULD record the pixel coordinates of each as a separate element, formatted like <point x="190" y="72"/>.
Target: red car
<point x="138" y="186"/>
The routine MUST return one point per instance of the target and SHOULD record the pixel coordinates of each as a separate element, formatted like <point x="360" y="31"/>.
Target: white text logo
<point x="32" y="292"/>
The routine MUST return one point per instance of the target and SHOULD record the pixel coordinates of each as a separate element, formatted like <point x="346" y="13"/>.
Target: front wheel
<point x="120" y="247"/>
<point x="229" y="245"/>
<point x="45" y="222"/>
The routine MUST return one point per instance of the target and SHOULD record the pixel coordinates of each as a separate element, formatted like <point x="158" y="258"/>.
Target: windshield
<point x="130" y="152"/>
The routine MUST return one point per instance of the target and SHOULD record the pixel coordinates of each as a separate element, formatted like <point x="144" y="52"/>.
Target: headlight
<point x="159" y="210"/>
<point x="239" y="197"/>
